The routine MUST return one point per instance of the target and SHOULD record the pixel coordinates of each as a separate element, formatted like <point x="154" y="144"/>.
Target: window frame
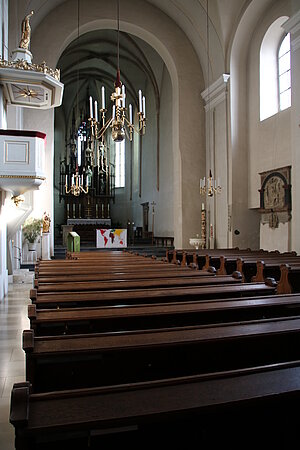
<point x="281" y="74"/>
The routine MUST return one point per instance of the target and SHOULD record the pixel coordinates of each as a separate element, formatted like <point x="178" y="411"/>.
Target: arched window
<point x="273" y="70"/>
<point x="120" y="164"/>
<point x="284" y="73"/>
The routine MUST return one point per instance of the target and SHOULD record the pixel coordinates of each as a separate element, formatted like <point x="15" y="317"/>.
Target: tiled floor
<point x="13" y="320"/>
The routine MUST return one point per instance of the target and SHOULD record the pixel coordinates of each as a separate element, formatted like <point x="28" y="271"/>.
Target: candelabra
<point x="210" y="186"/>
<point x="76" y="187"/>
<point x="118" y="121"/>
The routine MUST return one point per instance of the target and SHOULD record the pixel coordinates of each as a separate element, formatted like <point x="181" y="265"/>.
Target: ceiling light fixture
<point x="119" y="123"/>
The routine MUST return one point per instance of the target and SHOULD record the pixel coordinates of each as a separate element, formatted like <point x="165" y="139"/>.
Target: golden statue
<point x="26" y="31"/>
<point x="46" y="222"/>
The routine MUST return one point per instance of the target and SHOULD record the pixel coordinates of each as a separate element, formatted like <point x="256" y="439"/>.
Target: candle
<point x="144" y="106"/>
<point x="114" y="112"/>
<point x="123" y="95"/>
<point x="79" y="151"/>
<point x="96" y="110"/>
<point x="140" y="101"/>
<point x="202" y="207"/>
<point x="91" y="107"/>
<point x="130" y="113"/>
<point x="103" y="97"/>
<point x="66" y="180"/>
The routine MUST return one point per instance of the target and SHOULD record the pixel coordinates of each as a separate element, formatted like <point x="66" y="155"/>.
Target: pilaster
<point x="216" y="108"/>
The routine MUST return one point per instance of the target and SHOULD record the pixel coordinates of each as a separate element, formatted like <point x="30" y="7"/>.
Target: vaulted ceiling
<point x="190" y="15"/>
<point x="90" y="62"/>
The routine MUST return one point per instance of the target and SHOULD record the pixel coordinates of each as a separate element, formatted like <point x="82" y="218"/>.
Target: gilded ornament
<point x="26" y="32"/>
<point x="46" y="222"/>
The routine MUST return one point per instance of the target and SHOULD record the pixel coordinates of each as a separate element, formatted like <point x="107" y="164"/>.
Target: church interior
<point x="148" y="222"/>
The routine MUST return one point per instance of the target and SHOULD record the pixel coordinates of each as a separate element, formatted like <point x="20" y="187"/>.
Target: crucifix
<point x="153" y="204"/>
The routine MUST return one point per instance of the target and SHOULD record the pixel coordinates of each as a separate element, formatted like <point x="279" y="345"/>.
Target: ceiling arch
<point x="90" y="61"/>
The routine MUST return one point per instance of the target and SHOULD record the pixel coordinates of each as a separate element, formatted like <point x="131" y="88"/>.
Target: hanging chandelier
<point x="210" y="185"/>
<point x="120" y="123"/>
<point x="77" y="184"/>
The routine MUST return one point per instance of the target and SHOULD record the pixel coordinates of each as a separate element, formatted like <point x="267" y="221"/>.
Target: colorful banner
<point x="111" y="238"/>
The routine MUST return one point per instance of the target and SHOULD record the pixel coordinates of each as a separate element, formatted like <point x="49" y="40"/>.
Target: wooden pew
<point x="94" y="320"/>
<point x="289" y="278"/>
<point x="248" y="266"/>
<point x="90" y="360"/>
<point x="100" y="263"/>
<point x="140" y="275"/>
<point x="150" y="295"/>
<point x="256" y="403"/>
<point x="198" y="256"/>
<point x="84" y="270"/>
<point x="99" y="257"/>
<point x="271" y="268"/>
<point x="120" y="284"/>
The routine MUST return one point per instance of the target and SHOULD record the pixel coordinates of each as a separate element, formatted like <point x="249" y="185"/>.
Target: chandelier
<point x="120" y="123"/>
<point x="210" y="185"/>
<point x="77" y="186"/>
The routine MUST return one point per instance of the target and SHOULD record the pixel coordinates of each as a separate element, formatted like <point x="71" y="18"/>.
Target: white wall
<point x="269" y="141"/>
<point x="293" y="26"/>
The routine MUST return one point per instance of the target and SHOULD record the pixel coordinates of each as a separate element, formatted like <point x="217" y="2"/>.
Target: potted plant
<point x="31" y="230"/>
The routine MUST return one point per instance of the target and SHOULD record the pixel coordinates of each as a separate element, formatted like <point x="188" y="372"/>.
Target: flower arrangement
<point x="32" y="229"/>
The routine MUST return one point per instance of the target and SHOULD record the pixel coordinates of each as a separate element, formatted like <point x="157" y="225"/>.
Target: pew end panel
<point x="31" y="312"/>
<point x="33" y="294"/>
<point x="284" y="286"/>
<point x="19" y="404"/>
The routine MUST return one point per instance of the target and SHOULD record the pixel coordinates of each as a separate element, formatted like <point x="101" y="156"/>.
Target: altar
<point x="86" y="228"/>
<point x="100" y="221"/>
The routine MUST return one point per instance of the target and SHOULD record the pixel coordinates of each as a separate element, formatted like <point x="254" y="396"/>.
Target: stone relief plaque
<point x="275" y="196"/>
